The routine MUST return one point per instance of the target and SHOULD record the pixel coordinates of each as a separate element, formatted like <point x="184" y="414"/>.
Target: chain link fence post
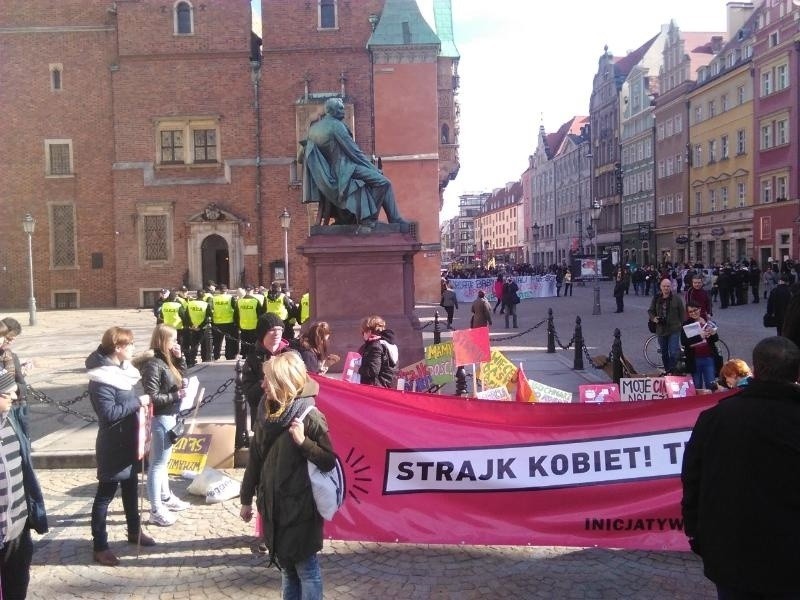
<point x="551" y="333"/>
<point x="242" y="438"/>
<point x="207" y="344"/>
<point x="461" y="381"/>
<point x="577" y="364"/>
<point x="437" y="331"/>
<point x="616" y="357"/>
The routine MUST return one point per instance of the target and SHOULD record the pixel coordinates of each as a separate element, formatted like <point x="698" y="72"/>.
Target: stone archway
<point x="215" y="260"/>
<point x="214" y="240"/>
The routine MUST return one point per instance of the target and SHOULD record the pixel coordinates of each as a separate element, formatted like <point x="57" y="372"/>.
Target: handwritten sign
<point x="679" y="386"/>
<point x="440" y="359"/>
<point x="642" y="388"/>
<point x="498" y="393"/>
<point x="471" y="345"/>
<point x="415" y="376"/>
<point x="601" y="392"/>
<point x="189" y="453"/>
<point x="547" y="393"/>
<point x="499" y="371"/>
<point x="352" y="363"/>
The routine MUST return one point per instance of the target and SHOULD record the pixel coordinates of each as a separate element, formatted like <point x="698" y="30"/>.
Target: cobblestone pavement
<point x="207" y="554"/>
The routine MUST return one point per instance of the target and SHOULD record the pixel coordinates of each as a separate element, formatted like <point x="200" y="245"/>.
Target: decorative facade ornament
<point x="212" y="213"/>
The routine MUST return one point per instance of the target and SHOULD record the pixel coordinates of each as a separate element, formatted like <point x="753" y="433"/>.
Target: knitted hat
<point x="7" y="383"/>
<point x="268" y="321"/>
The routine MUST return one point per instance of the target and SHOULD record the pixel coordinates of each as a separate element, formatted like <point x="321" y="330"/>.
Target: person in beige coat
<point x="481" y="311"/>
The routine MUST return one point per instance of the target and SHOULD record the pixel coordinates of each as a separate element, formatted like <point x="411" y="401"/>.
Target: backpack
<point x="328" y="487"/>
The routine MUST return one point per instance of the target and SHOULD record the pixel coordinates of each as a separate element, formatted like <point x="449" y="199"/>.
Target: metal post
<point x="207" y="351"/>
<point x="616" y="356"/>
<point x="241" y="438"/>
<point x="551" y="333"/>
<point x="28" y="224"/>
<point x="461" y="381"/>
<point x="286" y="257"/>
<point x="596" y="307"/>
<point x="577" y="364"/>
<point x="437" y="331"/>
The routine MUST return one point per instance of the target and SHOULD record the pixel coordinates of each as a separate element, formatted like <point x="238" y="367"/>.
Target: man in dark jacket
<point x="741" y="481"/>
<point x="23" y="505"/>
<point x="778" y="301"/>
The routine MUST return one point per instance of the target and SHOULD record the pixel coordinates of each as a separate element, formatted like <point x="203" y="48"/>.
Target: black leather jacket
<point x="159" y="383"/>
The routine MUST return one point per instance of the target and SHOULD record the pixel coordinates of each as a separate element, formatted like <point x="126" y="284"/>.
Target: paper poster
<point x="352" y="363"/>
<point x="498" y="371"/>
<point x="642" y="388"/>
<point x="189" y="453"/>
<point x="546" y="393"/>
<point x="415" y="376"/>
<point x="498" y="393"/>
<point x="603" y="392"/>
<point x="440" y="359"/>
<point x="191" y="393"/>
<point x="679" y="386"/>
<point x="471" y="345"/>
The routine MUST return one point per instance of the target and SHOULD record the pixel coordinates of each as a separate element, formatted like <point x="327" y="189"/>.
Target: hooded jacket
<point x="379" y="357"/>
<point x="116" y="404"/>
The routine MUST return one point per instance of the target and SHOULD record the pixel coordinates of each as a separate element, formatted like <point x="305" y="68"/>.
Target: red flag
<point x="524" y="391"/>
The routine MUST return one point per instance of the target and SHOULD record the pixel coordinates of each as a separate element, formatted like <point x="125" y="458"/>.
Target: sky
<point x="526" y="63"/>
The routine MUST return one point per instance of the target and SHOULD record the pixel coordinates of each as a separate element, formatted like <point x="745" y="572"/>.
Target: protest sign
<point x="440" y="361"/>
<point x="498" y="393"/>
<point x="498" y="371"/>
<point x="642" y="388"/>
<point x="415" y="376"/>
<point x="189" y="453"/>
<point x="679" y="386"/>
<point x="601" y="392"/>
<point x="352" y="362"/>
<point x="546" y="393"/>
<point x="471" y="346"/>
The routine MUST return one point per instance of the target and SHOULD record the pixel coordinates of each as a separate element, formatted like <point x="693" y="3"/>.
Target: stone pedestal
<point x="355" y="272"/>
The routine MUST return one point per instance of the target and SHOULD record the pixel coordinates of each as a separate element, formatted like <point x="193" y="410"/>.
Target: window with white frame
<point x="723" y="102"/>
<point x="741" y="142"/>
<point x="328" y="14"/>
<point x="766" y="82"/>
<point x="668" y="128"/>
<point x="781" y="187"/>
<point x="697" y="157"/>
<point x="661" y="206"/>
<point x="626" y="215"/>
<point x="766" y="190"/>
<point x="187" y="141"/>
<point x="781" y="132"/>
<point x="669" y="169"/>
<point x="781" y="77"/>
<point x="58" y="158"/>
<point x="698" y="114"/>
<point x="698" y="202"/>
<point x="63" y="240"/>
<point x="641" y="212"/>
<point x="56" y="77"/>
<point x="650" y="211"/>
<point x="712" y="200"/>
<point x="740" y="95"/>
<point x="183" y="18"/>
<point x="723" y="197"/>
<point x="155" y="233"/>
<point x="712" y="108"/>
<point x="724" y="149"/>
<point x="774" y="39"/>
<point x="766" y="136"/>
<point x="660" y="132"/>
<point x="661" y="169"/>
<point x="678" y="123"/>
<point x="740" y="195"/>
<point x="678" y="203"/>
<point x="678" y="163"/>
<point x="712" y="151"/>
<point x="670" y="204"/>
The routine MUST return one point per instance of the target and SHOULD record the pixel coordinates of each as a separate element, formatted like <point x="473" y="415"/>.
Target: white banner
<point x="530" y="286"/>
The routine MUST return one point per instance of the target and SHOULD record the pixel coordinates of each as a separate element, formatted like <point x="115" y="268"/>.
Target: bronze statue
<point x="337" y="174"/>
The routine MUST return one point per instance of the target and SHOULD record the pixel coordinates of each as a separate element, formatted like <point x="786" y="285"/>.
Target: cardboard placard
<point x="601" y="392"/>
<point x="440" y="359"/>
<point x="499" y="371"/>
<point x="498" y="393"/>
<point x="642" y="388"/>
<point x="679" y="386"/>
<point x="416" y="377"/>
<point x="189" y="453"/>
<point x="352" y="363"/>
<point x="547" y="393"/>
<point x="471" y="346"/>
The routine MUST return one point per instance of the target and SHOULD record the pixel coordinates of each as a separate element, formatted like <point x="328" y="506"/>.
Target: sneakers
<point x="175" y="504"/>
<point x="162" y="518"/>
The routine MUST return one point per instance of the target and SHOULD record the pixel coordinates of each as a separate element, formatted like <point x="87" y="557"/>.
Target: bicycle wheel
<point x="723" y="350"/>
<point x="652" y="352"/>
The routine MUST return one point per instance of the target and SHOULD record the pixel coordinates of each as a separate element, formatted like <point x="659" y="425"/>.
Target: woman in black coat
<point x="111" y="381"/>
<point x="379" y="354"/>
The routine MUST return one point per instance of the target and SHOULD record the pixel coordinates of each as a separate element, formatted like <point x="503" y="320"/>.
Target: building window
<point x="766" y="136"/>
<point x="724" y="102"/>
<point x="327" y="14"/>
<point x="62" y="235"/>
<point x="781" y="186"/>
<point x="184" y="18"/>
<point x="766" y="83"/>
<point x="697" y="158"/>
<point x="741" y="141"/>
<point x="712" y="108"/>
<point x="626" y="215"/>
<point x="154" y="237"/>
<point x="712" y="151"/>
<point x="724" y="150"/>
<point x="661" y="205"/>
<point x="188" y="142"/>
<point x="678" y="123"/>
<point x="766" y="191"/>
<point x="781" y="132"/>
<point x="660" y="132"/>
<point x="670" y="204"/>
<point x="740" y="192"/>
<point x="678" y="203"/>
<point x="670" y="169"/>
<point x="56" y="82"/>
<point x="781" y="77"/>
<point x="766" y="228"/>
<point x="698" y="202"/>
<point x="740" y="95"/>
<point x="58" y="158"/>
<point x="723" y="196"/>
<point x="712" y="200"/>
<point x="698" y="114"/>
<point x="661" y="170"/>
<point x="678" y="163"/>
<point x="774" y="39"/>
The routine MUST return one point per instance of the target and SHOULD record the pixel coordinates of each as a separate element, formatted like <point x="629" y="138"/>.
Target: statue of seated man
<point x="337" y="174"/>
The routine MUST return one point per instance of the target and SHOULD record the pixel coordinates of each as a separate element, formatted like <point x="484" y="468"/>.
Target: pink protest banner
<point x="453" y="471"/>
<point x="352" y="362"/>
<point x="599" y="392"/>
<point x="471" y="346"/>
<point x="679" y="386"/>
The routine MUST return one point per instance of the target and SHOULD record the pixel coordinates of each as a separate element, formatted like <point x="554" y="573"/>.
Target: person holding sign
<point x="699" y="339"/>
<point x="741" y="476"/>
<point x="667" y="312"/>
<point x="163" y="370"/>
<point x="277" y="474"/>
<point x="111" y="381"/>
<point x="313" y="348"/>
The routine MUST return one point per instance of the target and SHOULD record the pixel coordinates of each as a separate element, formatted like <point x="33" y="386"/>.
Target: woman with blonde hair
<point x="277" y="474"/>
<point x="163" y="368"/>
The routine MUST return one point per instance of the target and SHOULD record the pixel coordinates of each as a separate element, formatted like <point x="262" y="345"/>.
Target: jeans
<point x="160" y="451"/>
<point x="703" y="375"/>
<point x="15" y="566"/>
<point x="302" y="580"/>
<point x="104" y="496"/>
<point x="670" y="346"/>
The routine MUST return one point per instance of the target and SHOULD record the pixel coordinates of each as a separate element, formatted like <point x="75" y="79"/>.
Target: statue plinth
<point x="355" y="273"/>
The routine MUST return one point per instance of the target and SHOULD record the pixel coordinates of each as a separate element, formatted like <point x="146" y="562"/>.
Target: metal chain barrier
<point x="521" y="333"/>
<point x="63" y="405"/>
<point x="207" y="399"/>
<point x="558" y="341"/>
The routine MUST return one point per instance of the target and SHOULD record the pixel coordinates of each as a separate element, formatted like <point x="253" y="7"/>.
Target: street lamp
<point x="28" y="226"/>
<point x="535" y="234"/>
<point x="591" y="232"/>
<point x="286" y="220"/>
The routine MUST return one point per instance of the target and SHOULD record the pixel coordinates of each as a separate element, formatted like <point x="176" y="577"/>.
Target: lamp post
<point x="286" y="220"/>
<point x="28" y="226"/>
<point x="535" y="234"/>
<point x="591" y="232"/>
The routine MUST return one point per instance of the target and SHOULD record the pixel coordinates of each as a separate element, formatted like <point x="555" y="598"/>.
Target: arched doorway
<point x="215" y="260"/>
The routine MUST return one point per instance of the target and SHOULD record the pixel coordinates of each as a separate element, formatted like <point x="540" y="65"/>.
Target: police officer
<point x="174" y="314"/>
<point x="259" y="293"/>
<point x="248" y="310"/>
<point x="279" y="304"/>
<point x="199" y="316"/>
<point x="222" y="306"/>
<point x="305" y="307"/>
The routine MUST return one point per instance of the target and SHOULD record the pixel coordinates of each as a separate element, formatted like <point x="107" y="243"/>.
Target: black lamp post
<point x="591" y="232"/>
<point x="535" y="235"/>
<point x="286" y="221"/>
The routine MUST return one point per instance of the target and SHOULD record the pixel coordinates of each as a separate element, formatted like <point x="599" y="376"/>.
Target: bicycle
<point x="652" y="351"/>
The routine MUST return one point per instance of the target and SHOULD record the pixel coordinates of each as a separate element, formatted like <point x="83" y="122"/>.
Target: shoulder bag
<point x="328" y="487"/>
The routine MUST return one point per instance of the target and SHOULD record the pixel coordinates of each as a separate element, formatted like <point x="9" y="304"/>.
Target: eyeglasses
<point x="693" y="312"/>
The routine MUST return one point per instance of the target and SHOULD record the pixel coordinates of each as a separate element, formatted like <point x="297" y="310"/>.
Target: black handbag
<point x="176" y="432"/>
<point x="770" y="320"/>
<point x="651" y="326"/>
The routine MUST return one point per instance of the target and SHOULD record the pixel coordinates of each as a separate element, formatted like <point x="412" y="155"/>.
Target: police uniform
<point x="224" y="328"/>
<point x="199" y="315"/>
<point x="248" y="310"/>
<point x="173" y="314"/>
